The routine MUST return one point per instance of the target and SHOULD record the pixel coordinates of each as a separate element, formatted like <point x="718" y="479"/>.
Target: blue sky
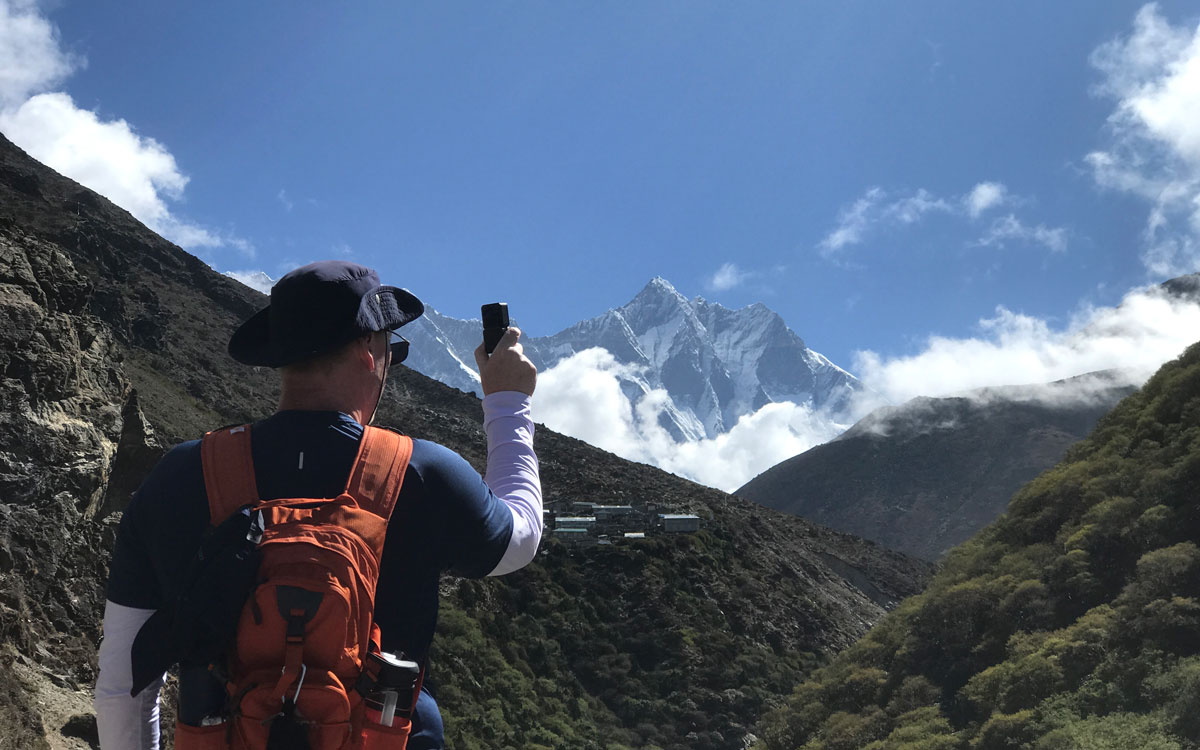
<point x="877" y="173"/>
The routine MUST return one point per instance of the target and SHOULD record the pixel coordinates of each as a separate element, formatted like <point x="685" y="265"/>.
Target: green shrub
<point x="915" y="692"/>
<point x="849" y="731"/>
<point x="858" y="689"/>
<point x="921" y="729"/>
<point x="1166" y="572"/>
<point x="1121" y="731"/>
<point x="1178" y="691"/>
<point x="1006" y="732"/>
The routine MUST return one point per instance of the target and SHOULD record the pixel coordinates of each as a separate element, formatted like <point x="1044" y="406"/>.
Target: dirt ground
<point x="66" y="713"/>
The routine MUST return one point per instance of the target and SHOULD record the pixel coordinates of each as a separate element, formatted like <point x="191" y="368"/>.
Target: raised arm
<point x="512" y="474"/>
<point x="509" y="379"/>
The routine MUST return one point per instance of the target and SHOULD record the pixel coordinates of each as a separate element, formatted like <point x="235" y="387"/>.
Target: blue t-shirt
<point x="445" y="519"/>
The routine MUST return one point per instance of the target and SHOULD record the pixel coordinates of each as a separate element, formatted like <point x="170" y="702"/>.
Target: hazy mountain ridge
<point x="926" y="475"/>
<point x="716" y="364"/>
<point x="1068" y="624"/>
<point x="116" y="350"/>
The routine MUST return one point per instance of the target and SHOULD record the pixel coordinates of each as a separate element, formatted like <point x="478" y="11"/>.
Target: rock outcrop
<point x="62" y="391"/>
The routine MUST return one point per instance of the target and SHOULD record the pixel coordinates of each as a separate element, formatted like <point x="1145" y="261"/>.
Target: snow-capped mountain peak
<point x="715" y="364"/>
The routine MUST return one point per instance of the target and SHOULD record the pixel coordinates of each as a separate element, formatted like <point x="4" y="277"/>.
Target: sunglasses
<point x="399" y="346"/>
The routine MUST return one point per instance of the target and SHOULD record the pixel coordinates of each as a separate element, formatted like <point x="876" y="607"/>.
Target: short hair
<point x="320" y="364"/>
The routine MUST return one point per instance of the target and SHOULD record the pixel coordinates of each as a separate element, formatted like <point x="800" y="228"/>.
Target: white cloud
<point x="852" y="223"/>
<point x="758" y="441"/>
<point x="878" y="208"/>
<point x="1154" y="149"/>
<point x="727" y="277"/>
<point x="245" y="246"/>
<point x="1155" y="76"/>
<point x="1009" y="228"/>
<point x="135" y="172"/>
<point x="983" y="196"/>
<point x="1171" y="254"/>
<point x="913" y="208"/>
<point x="30" y="57"/>
<point x="1146" y="330"/>
<point x="183" y="233"/>
<point x="582" y="396"/>
<point x="285" y="200"/>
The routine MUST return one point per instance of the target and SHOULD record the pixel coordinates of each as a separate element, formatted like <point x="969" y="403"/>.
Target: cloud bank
<point x="135" y="172"/>
<point x="582" y="397"/>
<point x="1146" y="330"/>
<point x="1153" y="148"/>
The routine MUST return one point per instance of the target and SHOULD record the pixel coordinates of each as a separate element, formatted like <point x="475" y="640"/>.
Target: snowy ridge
<point x="444" y="349"/>
<point x="715" y="364"/>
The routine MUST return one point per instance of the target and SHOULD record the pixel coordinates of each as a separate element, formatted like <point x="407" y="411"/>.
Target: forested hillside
<point x="1071" y="623"/>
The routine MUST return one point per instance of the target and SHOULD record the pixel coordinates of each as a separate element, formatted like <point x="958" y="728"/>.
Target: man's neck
<point x="293" y="401"/>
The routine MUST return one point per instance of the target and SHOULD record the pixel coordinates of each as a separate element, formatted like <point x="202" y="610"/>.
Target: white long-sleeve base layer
<point x="125" y="722"/>
<point x="512" y="474"/>
<point x="132" y="723"/>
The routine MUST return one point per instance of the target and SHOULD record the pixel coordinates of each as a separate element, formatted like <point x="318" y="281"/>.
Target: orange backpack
<point x="307" y="629"/>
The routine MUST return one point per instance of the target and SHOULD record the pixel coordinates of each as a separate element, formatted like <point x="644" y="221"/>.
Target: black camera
<point x="495" y="324"/>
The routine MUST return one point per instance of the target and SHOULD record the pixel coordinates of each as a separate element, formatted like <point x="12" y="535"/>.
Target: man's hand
<point x="507" y="369"/>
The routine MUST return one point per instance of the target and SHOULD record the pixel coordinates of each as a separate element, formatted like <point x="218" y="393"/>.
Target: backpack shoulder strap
<point x="383" y="457"/>
<point x="228" y="471"/>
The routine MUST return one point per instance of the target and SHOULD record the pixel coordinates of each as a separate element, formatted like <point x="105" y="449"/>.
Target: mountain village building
<point x="584" y="523"/>
<point x="591" y="523"/>
<point x="675" y="523"/>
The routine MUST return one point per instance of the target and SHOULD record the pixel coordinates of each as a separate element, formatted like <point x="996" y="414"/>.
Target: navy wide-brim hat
<point x="317" y="308"/>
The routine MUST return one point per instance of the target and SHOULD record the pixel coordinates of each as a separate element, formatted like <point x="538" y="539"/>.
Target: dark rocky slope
<point x="926" y="475"/>
<point x="113" y="348"/>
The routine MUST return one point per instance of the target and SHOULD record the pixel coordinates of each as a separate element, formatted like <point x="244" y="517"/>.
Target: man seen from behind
<point x="328" y="331"/>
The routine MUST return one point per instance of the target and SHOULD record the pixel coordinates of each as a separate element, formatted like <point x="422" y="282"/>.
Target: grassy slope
<point x="1071" y="622"/>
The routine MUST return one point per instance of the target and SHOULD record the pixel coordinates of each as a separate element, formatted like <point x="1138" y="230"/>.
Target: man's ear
<point x="362" y="352"/>
<point x="373" y="355"/>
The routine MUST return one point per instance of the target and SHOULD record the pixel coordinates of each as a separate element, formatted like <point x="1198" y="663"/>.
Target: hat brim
<point x="396" y="307"/>
<point x="250" y="343"/>
<point x="384" y="308"/>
